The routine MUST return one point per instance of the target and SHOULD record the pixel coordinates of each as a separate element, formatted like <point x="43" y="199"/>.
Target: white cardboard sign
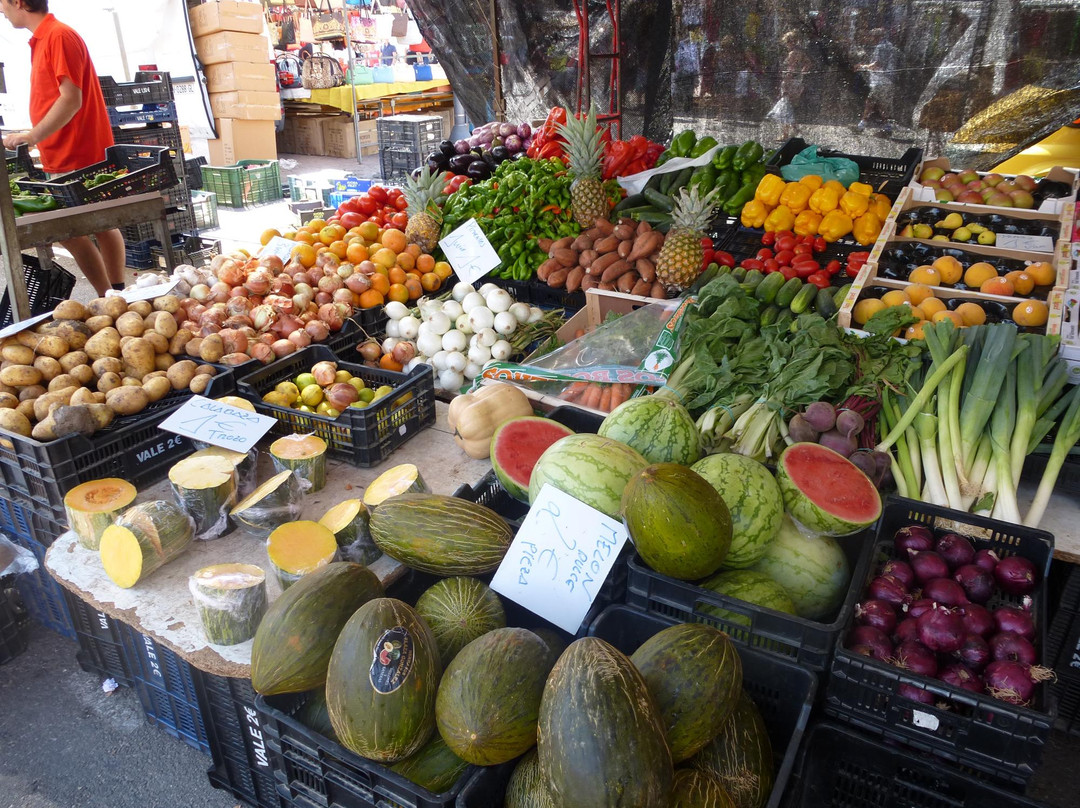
<point x="22" y="325"/>
<point x="560" y="558"/>
<point x="1010" y="241"/>
<point x="281" y="247"/>
<point x="149" y="292"/>
<point x="469" y="252"/>
<point x="220" y="424"/>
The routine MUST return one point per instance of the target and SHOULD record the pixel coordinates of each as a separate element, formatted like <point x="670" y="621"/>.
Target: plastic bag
<point x="809" y="162"/>
<point x="15" y="560"/>
<point x="231" y="600"/>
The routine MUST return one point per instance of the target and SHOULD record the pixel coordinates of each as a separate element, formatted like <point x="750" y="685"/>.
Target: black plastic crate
<point x="840" y="768"/>
<point x="809" y="642"/>
<point x="42" y="596"/>
<point x="14" y="621"/>
<point x="164" y="112"/>
<point x="177" y="196"/>
<point x="148" y="88"/>
<point x="20" y="162"/>
<point x="396" y="164"/>
<point x="140" y="239"/>
<point x="744" y="242"/>
<point x="237" y="743"/>
<point x="888" y="175"/>
<point x="362" y="437"/>
<point x="783" y="692"/>
<point x="101" y="647"/>
<point x="977" y="731"/>
<point x="363" y="324"/>
<point x="187" y="249"/>
<point x="193" y="171"/>
<point x="44" y="288"/>
<point x="416" y="133"/>
<point x="149" y="169"/>
<point x="152" y="134"/>
<point x="137" y="253"/>
<point x="1063" y="654"/>
<point x="537" y="293"/>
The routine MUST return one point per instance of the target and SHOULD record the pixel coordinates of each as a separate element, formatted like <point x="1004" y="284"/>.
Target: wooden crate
<point x="1070" y="177"/>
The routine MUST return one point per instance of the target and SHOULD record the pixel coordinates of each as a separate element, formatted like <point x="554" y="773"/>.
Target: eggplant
<point x="519" y="156"/>
<point x="438" y="161"/>
<point x="478" y="170"/>
<point x="500" y="153"/>
<point x="488" y="158"/>
<point x="459" y="163"/>
<point x="447" y="147"/>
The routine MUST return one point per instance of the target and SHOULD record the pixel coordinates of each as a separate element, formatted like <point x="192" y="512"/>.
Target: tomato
<point x="401" y="203"/>
<point x="784" y="234"/>
<point x="803" y="249"/>
<point x="752" y="263"/>
<point x="771" y="265"/>
<point x="807" y="269"/>
<point x="365" y="205"/>
<point x="400" y="220"/>
<point x="784" y="257"/>
<point x="379" y="194"/>
<point x="350" y="219"/>
<point x="788" y="273"/>
<point x="706" y="242"/>
<point x="764" y="253"/>
<point x="786" y="243"/>
<point x="768" y="239"/>
<point x="833" y="267"/>
<point x="819" y="279"/>
<point x="819" y="244"/>
<point x="724" y="259"/>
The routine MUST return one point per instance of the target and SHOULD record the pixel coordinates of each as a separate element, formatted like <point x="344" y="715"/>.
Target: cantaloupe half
<point x="349" y="521"/>
<point x="304" y="454"/>
<point x="236" y="401"/>
<point x="297" y="548"/>
<point x="93" y="506"/>
<point x="403" y="479"/>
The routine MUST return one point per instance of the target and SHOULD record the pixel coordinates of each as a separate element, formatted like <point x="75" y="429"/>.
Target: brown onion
<point x="404" y="352"/>
<point x="318" y="330"/>
<point x="272" y="262"/>
<point x="322" y="298"/>
<point x="330" y="283"/>
<point x="330" y="315"/>
<point x="341" y="395"/>
<point x="208" y="329"/>
<point x="231" y="272"/>
<point x="258" y="282"/>
<point x="357" y="283"/>
<point x="238" y="305"/>
<point x="343" y="296"/>
<point x="324" y="372"/>
<point x="370" y="350"/>
<point x="234" y="341"/>
<point x="238" y="321"/>
<point x="200" y="292"/>
<point x="300" y="338"/>
<point x="219" y="292"/>
<point x="263" y="352"/>
<point x="235" y="359"/>
<point x="283" y="348"/>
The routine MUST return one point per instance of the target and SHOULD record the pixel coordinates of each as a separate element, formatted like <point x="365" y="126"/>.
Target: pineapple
<point x="680" y="258"/>
<point x="584" y="151"/>
<point x="425" y="218"/>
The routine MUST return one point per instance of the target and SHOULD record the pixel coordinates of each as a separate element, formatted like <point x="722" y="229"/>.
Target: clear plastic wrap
<point x="230" y="599"/>
<point x="15" y="560"/>
<point x="275" y="502"/>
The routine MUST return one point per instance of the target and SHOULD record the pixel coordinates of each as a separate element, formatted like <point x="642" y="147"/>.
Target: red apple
<point x="976" y="185"/>
<point x="967" y="176"/>
<point x="932" y="183"/>
<point x="970" y="198"/>
<point x="944" y="195"/>
<point x="1025" y="182"/>
<point x="1000" y="201"/>
<point x="947" y="178"/>
<point x="1022" y="199"/>
<point x="1006" y="187"/>
<point x="992" y="179"/>
<point x="931" y="173"/>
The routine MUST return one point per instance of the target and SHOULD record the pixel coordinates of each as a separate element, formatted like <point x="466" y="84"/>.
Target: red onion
<point x="977" y="583"/>
<point x="978" y="620"/>
<point x="928" y="565"/>
<point x="987" y="559"/>
<point x="916" y="694"/>
<point x="959" y="676"/>
<point x="975" y="652"/>
<point x="1009" y="681"/>
<point x="887" y="588"/>
<point x="901" y="571"/>
<point x="955" y="549"/>
<point x="877" y="613"/>
<point x="941" y="630"/>
<point x="1016" y="575"/>
<point x="915" y="657"/>
<point x="1011" y="646"/>
<point x="918" y="607"/>
<point x="913" y="537"/>
<point x="869" y="641"/>
<point x="907" y="630"/>
<point x="945" y="591"/>
<point x="1016" y="620"/>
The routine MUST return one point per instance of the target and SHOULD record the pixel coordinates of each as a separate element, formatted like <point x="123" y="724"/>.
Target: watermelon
<point x="678" y="523"/>
<point x="458" y="610"/>
<point x="657" y="426"/>
<point x="813" y="570"/>
<point x="517" y="445"/>
<point x="740" y="757"/>
<point x="695" y="788"/>
<point x="590" y="468"/>
<point x="825" y="493"/>
<point x="749" y="586"/>
<point x="753" y="499"/>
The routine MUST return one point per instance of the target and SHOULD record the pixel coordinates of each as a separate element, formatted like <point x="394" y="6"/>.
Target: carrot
<point x="619" y="393"/>
<point x="605" y="398"/>
<point x="573" y="391"/>
<point x="591" y="398"/>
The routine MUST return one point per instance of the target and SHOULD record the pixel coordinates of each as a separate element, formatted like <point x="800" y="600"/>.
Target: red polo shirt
<point x="56" y="52"/>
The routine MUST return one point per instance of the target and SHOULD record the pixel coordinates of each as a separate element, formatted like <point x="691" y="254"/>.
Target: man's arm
<point x="58" y="116"/>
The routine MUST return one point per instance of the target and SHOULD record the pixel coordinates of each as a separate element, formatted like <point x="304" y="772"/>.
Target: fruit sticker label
<point x="392" y="660"/>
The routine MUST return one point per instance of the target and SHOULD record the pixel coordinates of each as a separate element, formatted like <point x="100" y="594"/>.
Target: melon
<point x="458" y="610"/>
<point x="748" y="586"/>
<point x="526" y="789"/>
<point x="435" y="767"/>
<point x="752" y="497"/>
<point x="590" y="468"/>
<point x="825" y="493"/>
<point x="657" y="426"/>
<point x="516" y="446"/>
<point x="813" y="570"/>
<point x="93" y="506"/>
<point x="740" y="756"/>
<point x="695" y="788"/>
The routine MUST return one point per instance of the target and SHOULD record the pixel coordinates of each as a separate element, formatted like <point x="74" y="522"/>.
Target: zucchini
<point x="658" y="200"/>
<point x="787" y="292"/>
<point x="654" y="217"/>
<point x="632" y="201"/>
<point x="681" y="179"/>
<point x="824" y="304"/>
<point x="801" y="302"/>
<point x="655" y="179"/>
<point x="766" y="290"/>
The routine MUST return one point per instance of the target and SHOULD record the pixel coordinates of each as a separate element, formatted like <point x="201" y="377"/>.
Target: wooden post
<point x="9" y="244"/>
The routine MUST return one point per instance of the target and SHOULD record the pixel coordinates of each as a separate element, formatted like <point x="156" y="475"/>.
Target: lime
<point x="305" y="380"/>
<point x="306" y="408"/>
<point x="331" y="412"/>
<point x="367" y="395"/>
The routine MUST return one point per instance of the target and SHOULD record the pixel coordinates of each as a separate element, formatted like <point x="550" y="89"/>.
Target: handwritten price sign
<point x="469" y="252"/>
<point x="219" y="424"/>
<point x="560" y="558"/>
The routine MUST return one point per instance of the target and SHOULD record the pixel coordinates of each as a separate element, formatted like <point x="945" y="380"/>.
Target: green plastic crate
<point x="204" y="204"/>
<point x="249" y="182"/>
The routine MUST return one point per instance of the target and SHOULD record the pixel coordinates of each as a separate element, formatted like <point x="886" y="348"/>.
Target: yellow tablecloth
<point x="339" y="96"/>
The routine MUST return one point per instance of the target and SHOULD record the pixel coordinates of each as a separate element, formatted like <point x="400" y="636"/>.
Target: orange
<point x="1022" y="282"/>
<point x="380" y="283"/>
<point x="425" y="262"/>
<point x="368" y="230"/>
<point x="931" y="306"/>
<point x="997" y="286"/>
<point x="414" y="250"/>
<point x="393" y="239"/>
<point x="865" y="309"/>
<point x="918" y="313"/>
<point x="406" y="260"/>
<point x="1031" y="313"/>
<point x="413" y="285"/>
<point x="917" y="293"/>
<point x="896" y="297"/>
<point x="315" y="225"/>
<point x="328" y="235"/>
<point x="306" y="228"/>
<point x="1043" y="273"/>
<point x="305" y="254"/>
<point x="926" y="275"/>
<point x="951" y="270"/>
<point x="396" y="275"/>
<point x="339" y="249"/>
<point x="398" y="292"/>
<point x="371" y="298"/>
<point x="385" y="257"/>
<point x="356" y="252"/>
<point x="978" y="274"/>
<point x="430" y="281"/>
<point x="386" y="362"/>
<point x="304" y="238"/>
<point x="957" y="320"/>
<point x="264" y="239"/>
<point x="443" y="270"/>
<point x="971" y="313"/>
<point x="915" y="331"/>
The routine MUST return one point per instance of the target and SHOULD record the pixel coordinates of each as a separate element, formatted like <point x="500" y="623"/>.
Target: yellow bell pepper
<point x="806" y="223"/>
<point x="837" y="186"/>
<point x="795" y="196"/>
<point x="835" y="224"/>
<point x="861" y="188"/>
<point x="754" y="214"/>
<point x="880" y="204"/>
<point x="769" y="190"/>
<point x="813" y="180"/>
<point x="824" y="199"/>
<point x="780" y="219"/>
<point x="853" y="204"/>
<point x="866" y="228"/>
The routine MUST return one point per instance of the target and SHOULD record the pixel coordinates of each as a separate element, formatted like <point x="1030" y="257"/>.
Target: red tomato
<point x="833" y="267"/>
<point x="819" y="279"/>
<point x="784" y="234"/>
<point x="803" y="249"/>
<point x="400" y="220"/>
<point x="768" y="239"/>
<point x="366" y="205"/>
<point x="771" y="265"/>
<point x="786" y="243"/>
<point x="764" y="253"/>
<point x="724" y="259"/>
<point x="819" y="244"/>
<point x="349" y="220"/>
<point x="752" y="263"/>
<point x="807" y="269"/>
<point x="788" y="273"/>
<point x="379" y="194"/>
<point x="400" y="203"/>
<point x="784" y="257"/>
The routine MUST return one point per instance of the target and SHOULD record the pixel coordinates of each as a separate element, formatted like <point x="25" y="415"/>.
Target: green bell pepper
<point x="683" y="143"/>
<point x="722" y="159"/>
<point x="748" y="153"/>
<point x="703" y="146"/>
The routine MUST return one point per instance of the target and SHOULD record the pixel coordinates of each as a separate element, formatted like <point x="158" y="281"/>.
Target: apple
<point x="986" y="237"/>
<point x="976" y="185"/>
<point x="1024" y="182"/>
<point x="931" y="173"/>
<point x="1000" y="201"/>
<point x="987" y="192"/>
<point x="1006" y="187"/>
<point x="992" y="179"/>
<point x="945" y="195"/>
<point x="932" y="183"/>
<point x="947" y="178"/>
<point x="1022" y="199"/>
<point x="970" y="198"/>
<point x="967" y="176"/>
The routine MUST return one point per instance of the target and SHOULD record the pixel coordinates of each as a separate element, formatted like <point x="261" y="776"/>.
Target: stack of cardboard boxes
<point x="330" y="136"/>
<point x="240" y="77"/>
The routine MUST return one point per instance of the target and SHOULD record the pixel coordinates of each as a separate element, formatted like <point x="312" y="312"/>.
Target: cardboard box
<point x="921" y="193"/>
<point x="1070" y="319"/>
<point x="369" y="135"/>
<point x="246" y="105"/>
<point x="242" y="140"/>
<point x="229" y="76"/>
<point x="230" y="46"/>
<point x="226" y="15"/>
<point x="309" y="134"/>
<point x="1071" y="355"/>
<point x="339" y="139"/>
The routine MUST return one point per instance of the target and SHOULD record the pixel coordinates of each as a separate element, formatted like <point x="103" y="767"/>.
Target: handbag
<point x="321" y="72"/>
<point x="288" y="70"/>
<point x="437" y="72"/>
<point x="422" y="72"/>
<point x="359" y="74"/>
<point x="402" y="72"/>
<point x="328" y="24"/>
<point x="400" y="26"/>
<point x="382" y="74"/>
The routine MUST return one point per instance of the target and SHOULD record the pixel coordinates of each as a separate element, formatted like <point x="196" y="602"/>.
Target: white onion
<point x="395" y="310"/>
<point x="480" y="318"/>
<point x="488" y="337"/>
<point x="472" y="301"/>
<point x="479" y="354"/>
<point x="408" y="328"/>
<point x="412" y="363"/>
<point x="389" y="343"/>
<point x="451" y="380"/>
<point x="452" y="309"/>
<point x="521" y="312"/>
<point x="455" y="341"/>
<point x="428" y="307"/>
<point x="392" y="328"/>
<point x="505" y="323"/>
<point x="429" y="344"/>
<point x="499" y="301"/>
<point x="472" y="370"/>
<point x="461" y="289"/>
<point x="455" y="360"/>
<point x="463" y="325"/>
<point x="535" y="314"/>
<point x="501" y="351"/>
<point x="487" y="289"/>
<point x="439" y="323"/>
<point x="438" y="361"/>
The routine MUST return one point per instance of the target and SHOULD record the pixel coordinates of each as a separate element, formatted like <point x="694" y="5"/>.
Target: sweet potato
<point x="657" y="291"/>
<point x="598" y="266"/>
<point x="645" y="245"/>
<point x="565" y="256"/>
<point x="605" y="227"/>
<point x="624" y="248"/>
<point x="625" y="231"/>
<point x="582" y="242"/>
<point x="557" y="279"/>
<point x="641" y="288"/>
<point x="627" y="282"/>
<point x="560" y="244"/>
<point x="606" y="245"/>
<point x="589" y="282"/>
<point x="587" y="257"/>
<point x="615" y="271"/>
<point x="573" y="279"/>
<point x="547" y="268"/>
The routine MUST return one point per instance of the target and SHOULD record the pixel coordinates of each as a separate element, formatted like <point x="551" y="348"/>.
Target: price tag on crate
<point x="149" y="292"/>
<point x="219" y="424"/>
<point x="281" y="247"/>
<point x="22" y="325"/>
<point x="1012" y="241"/>
<point x="560" y="558"/>
<point x="469" y="252"/>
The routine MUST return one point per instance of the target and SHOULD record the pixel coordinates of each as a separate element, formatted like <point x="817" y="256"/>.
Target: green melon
<point x="458" y="610"/>
<point x="825" y="493"/>
<point x="695" y="676"/>
<point x="314" y="714"/>
<point x="749" y="586"/>
<point x="517" y="445"/>
<point x="382" y="681"/>
<point x="526" y="789"/>
<point x="555" y="642"/>
<point x="435" y="767"/>
<point x="752" y="496"/>
<point x="740" y="757"/>
<point x="489" y="697"/>
<point x="589" y="468"/>
<point x="601" y="738"/>
<point x="677" y="521"/>
<point x="695" y="788"/>
<point x="296" y="637"/>
<point x="813" y="570"/>
<point x="657" y="426"/>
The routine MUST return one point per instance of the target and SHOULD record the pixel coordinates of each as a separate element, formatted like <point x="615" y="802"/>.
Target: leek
<point x="1002" y="424"/>
<point x="990" y="372"/>
<point x="933" y="487"/>
<point x="1067" y="437"/>
<point x="922" y="399"/>
<point x="1029" y="373"/>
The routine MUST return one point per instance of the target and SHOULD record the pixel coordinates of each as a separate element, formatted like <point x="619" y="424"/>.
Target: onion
<point x="231" y="273"/>
<point x="877" y="613"/>
<point x="409" y="328"/>
<point x="913" y="537"/>
<point x="258" y="282"/>
<point x="907" y="630"/>
<point x="978" y="619"/>
<point x="869" y="641"/>
<point x="283" y="348"/>
<point x="900" y="570"/>
<point x="941" y="630"/>
<point x="461" y="146"/>
<point x="821" y="416"/>
<point x="915" y="657"/>
<point x="927" y="565"/>
<point x="330" y="315"/>
<point x="370" y="350"/>
<point x="403" y="352"/>
<point x="916" y="694"/>
<point x="200" y="292"/>
<point x="955" y="549"/>
<point x="945" y="591"/>
<point x="1016" y="620"/>
<point x="263" y="352"/>
<point x="919" y="606"/>
<point x="317" y="330"/>
<point x="1009" y="681"/>
<point x="978" y="584"/>
<point x="1010" y="645"/>
<point x="975" y="652"/>
<point x="452" y="309"/>
<point x="341" y="395"/>
<point x="958" y="675"/>
<point x="889" y="589"/>
<point x="300" y="338"/>
<point x="1016" y="575"/>
<point x="324" y="373"/>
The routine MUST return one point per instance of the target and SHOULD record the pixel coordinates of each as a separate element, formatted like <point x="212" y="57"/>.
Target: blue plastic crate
<point x="352" y="186"/>
<point x="336" y="198"/>
<point x="137" y="254"/>
<point x="41" y="594"/>
<point x="101" y="646"/>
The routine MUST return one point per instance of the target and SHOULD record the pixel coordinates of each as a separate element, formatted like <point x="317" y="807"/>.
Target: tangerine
<point x="304" y="238"/>
<point x="398" y="292"/>
<point x="268" y="234"/>
<point x="915" y="331"/>
<point x="371" y="298"/>
<point x="387" y="362"/>
<point x="393" y="239"/>
<point x="356" y="252"/>
<point x="305" y="254"/>
<point x="1042" y="272"/>
<point x="380" y="283"/>
<point x="385" y="257"/>
<point x="315" y="225"/>
<point x="396" y="275"/>
<point x="412" y="283"/>
<point x="369" y="231"/>
<point x="339" y="249"/>
<point x="414" y="250"/>
<point x="425" y="262"/>
<point x="430" y="281"/>
<point x="406" y="260"/>
<point x="956" y="319"/>
<point x="443" y="270"/>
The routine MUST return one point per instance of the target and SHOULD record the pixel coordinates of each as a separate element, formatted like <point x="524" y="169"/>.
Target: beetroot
<point x="907" y="630"/>
<point x="955" y="549"/>
<point x="1010" y="682"/>
<point x="978" y="620"/>
<point x="975" y="652"/>
<point x="987" y="559"/>
<point x="977" y="583"/>
<point x="915" y="657"/>
<point x="941" y="630"/>
<point x="889" y="589"/>
<point x="913" y="537"/>
<point x="945" y="591"/>
<point x="900" y="570"/>
<point x="959" y="676"/>
<point x="1015" y="619"/>
<point x="1011" y="646"/>
<point x="916" y="694"/>
<point x="877" y="613"/>
<point x="928" y="565"/>
<point x="1016" y="575"/>
<point x="870" y="642"/>
<point x="919" y="606"/>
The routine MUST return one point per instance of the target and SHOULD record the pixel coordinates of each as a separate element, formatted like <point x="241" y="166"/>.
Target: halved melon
<point x="403" y="479"/>
<point x="245" y="463"/>
<point x="517" y="445"/>
<point x="144" y="538"/>
<point x="824" y="492"/>
<point x="303" y="454"/>
<point x="231" y="600"/>
<point x="348" y="521"/>
<point x="297" y="548"/>
<point x="271" y="504"/>
<point x="236" y="401"/>
<point x="93" y="506"/>
<point x="205" y="487"/>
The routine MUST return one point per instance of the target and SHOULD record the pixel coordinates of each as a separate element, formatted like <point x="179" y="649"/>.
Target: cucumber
<point x="839" y="297"/>
<point x="681" y="179"/>
<point x="702" y="279"/>
<point x="787" y="292"/>
<point x="803" y="299"/>
<point x="824" y="304"/>
<point x="766" y="290"/>
<point x="655" y="179"/>
<point x="632" y="201"/>
<point x="769" y="314"/>
<point x="753" y="278"/>
<point x="658" y="200"/>
<point x="654" y="217"/>
<point x="738" y="273"/>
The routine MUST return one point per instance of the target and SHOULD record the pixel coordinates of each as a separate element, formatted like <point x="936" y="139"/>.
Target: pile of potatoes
<point x="92" y="363"/>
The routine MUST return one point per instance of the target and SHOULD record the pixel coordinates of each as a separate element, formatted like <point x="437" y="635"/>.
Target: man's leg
<point x="111" y="245"/>
<point x="89" y="259"/>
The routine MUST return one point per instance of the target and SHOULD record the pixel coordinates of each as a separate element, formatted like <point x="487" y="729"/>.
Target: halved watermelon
<point x="825" y="493"/>
<point x="517" y="445"/>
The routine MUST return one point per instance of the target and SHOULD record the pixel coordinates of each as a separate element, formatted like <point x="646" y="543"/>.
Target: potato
<point x="15" y="421"/>
<point x="19" y="354"/>
<point x="49" y="367"/>
<point x="157" y="388"/>
<point x="73" y="360"/>
<point x="163" y="323"/>
<point x="20" y="375"/>
<point x="127" y="400"/>
<point x="114" y="306"/>
<point x="44" y="430"/>
<point x="99" y="410"/>
<point x="131" y="381"/>
<point x="83" y="374"/>
<point x="199" y="383"/>
<point x="69" y="420"/>
<point x="64" y="380"/>
<point x="159" y="343"/>
<point x="26" y="409"/>
<point x="74" y="332"/>
<point x="107" y="364"/>
<point x="193" y="346"/>
<point x="138" y="358"/>
<point x="169" y="303"/>
<point x="105" y="342"/>
<point x="180" y="374"/>
<point x="52" y="346"/>
<point x="209" y="370"/>
<point x="28" y="339"/>
<point x="155" y="374"/>
<point x="82" y="396"/>
<point x="70" y="310"/>
<point x="179" y="341"/>
<point x="107" y="382"/>
<point x="130" y="324"/>
<point x="141" y="307"/>
<point x="31" y="392"/>
<point x="45" y="404"/>
<point x="7" y="388"/>
<point x="164" y="361"/>
<point x="95" y="324"/>
<point x="8" y="401"/>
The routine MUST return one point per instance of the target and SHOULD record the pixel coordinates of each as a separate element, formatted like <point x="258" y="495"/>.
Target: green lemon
<point x="305" y="380"/>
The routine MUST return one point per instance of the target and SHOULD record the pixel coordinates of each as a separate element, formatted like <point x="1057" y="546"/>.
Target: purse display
<point x="327" y="23"/>
<point x="359" y="74"/>
<point x="321" y="72"/>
